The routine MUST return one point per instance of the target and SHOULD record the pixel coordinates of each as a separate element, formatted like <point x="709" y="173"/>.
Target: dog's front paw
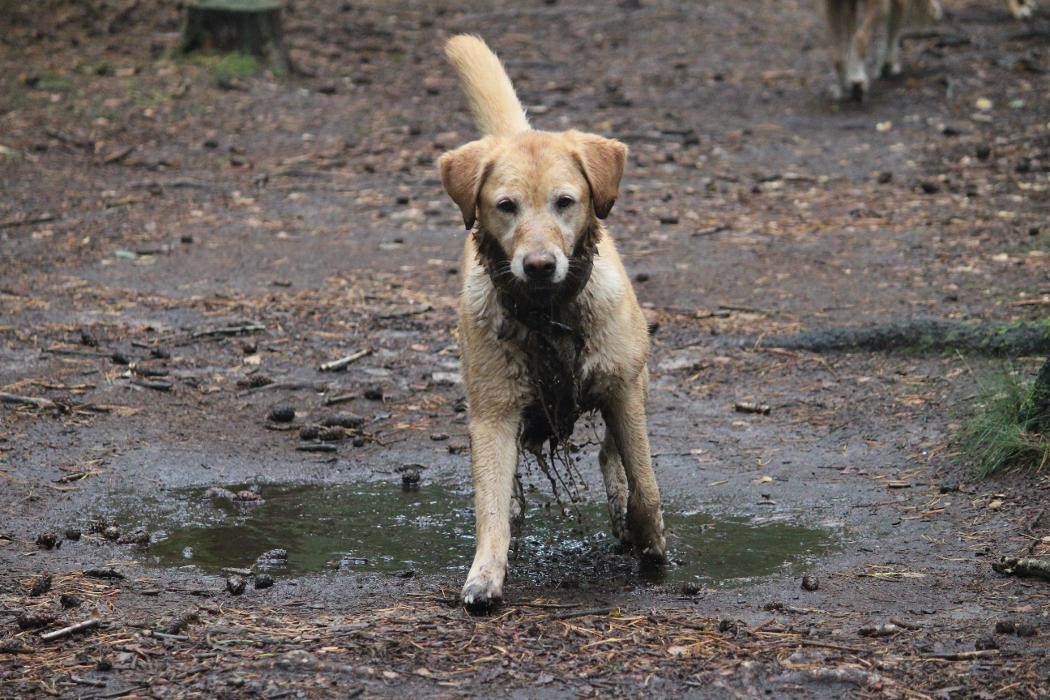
<point x="483" y="592"/>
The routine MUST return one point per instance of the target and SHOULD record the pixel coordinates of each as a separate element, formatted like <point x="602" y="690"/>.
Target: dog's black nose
<point x="539" y="266"/>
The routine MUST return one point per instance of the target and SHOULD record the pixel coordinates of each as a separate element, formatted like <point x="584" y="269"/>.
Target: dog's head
<point x="536" y="194"/>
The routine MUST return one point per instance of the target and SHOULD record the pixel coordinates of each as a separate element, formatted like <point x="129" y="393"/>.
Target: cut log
<point x="247" y="26"/>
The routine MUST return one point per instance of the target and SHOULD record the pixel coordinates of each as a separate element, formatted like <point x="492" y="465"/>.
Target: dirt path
<point x="152" y="207"/>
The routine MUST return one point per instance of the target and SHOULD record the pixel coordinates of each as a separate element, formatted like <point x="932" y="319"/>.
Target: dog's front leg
<point x="494" y="460"/>
<point x="624" y="416"/>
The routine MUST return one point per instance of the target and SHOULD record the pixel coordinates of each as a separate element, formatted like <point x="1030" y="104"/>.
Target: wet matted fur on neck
<point x="546" y="325"/>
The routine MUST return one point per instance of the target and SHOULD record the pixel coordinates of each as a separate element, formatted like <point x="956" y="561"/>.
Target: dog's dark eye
<point x="564" y="201"/>
<point x="507" y="206"/>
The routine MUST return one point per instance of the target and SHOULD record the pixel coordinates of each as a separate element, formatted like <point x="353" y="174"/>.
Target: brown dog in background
<point x="853" y="23"/>
<point x="549" y="326"/>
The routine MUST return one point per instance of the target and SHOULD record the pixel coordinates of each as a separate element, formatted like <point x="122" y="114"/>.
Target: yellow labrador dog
<point x="549" y="325"/>
<point x="854" y="22"/>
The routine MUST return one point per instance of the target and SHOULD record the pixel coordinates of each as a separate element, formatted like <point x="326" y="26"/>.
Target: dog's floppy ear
<point x="601" y="161"/>
<point x="463" y="172"/>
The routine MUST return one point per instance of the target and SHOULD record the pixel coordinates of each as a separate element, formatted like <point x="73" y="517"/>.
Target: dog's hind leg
<point x="1021" y="9"/>
<point x="616" y="489"/>
<point x="494" y="461"/>
<point x="624" y="414"/>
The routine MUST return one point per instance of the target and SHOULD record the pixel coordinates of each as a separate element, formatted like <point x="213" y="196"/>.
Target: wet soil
<point x="181" y="250"/>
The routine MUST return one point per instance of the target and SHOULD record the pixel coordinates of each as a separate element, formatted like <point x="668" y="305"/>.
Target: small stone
<point x="186" y="239"/>
<point x="810" y="583"/>
<point x="358" y="441"/>
<point x="690" y="588"/>
<point x="219" y="493"/>
<point x="235" y="585"/>
<point x="439" y="437"/>
<point x="247" y="496"/>
<point x="41" y="585"/>
<point x="929" y="187"/>
<point x="668" y="219"/>
<point x="410" y="479"/>
<point x="68" y="600"/>
<point x="950" y="486"/>
<point x="111" y="533"/>
<point x="1005" y="627"/>
<point x="726" y="625"/>
<point x="1033" y="231"/>
<point x="1023" y="629"/>
<point x="48" y="540"/>
<point x="72" y="533"/>
<point x="104" y="665"/>
<point x="985" y="643"/>
<point x="263" y="581"/>
<point x="983" y="151"/>
<point x="119" y="358"/>
<point x="885" y="177"/>
<point x="87" y="339"/>
<point x="374" y="393"/>
<point x="1023" y="166"/>
<point x="282" y="414"/>
<point x="641" y="277"/>
<point x="309" y="432"/>
<point x="272" y="559"/>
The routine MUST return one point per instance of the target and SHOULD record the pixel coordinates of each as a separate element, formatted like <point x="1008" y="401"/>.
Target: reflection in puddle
<point x="377" y="528"/>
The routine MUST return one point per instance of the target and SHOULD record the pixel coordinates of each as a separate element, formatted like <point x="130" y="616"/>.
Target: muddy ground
<point x="154" y="205"/>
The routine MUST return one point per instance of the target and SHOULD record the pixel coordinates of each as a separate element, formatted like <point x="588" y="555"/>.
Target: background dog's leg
<point x="616" y="489"/>
<point x="625" y="417"/>
<point x="856" y="72"/>
<point x="842" y="22"/>
<point x="890" y="56"/>
<point x="1021" y="9"/>
<point x="494" y="461"/>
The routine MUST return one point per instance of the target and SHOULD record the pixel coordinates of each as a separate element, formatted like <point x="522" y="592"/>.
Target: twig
<point x="963" y="655"/>
<point x="27" y="221"/>
<point x="583" y="613"/>
<point x="72" y="629"/>
<point x="229" y="330"/>
<point x="87" y="681"/>
<point x="401" y="314"/>
<point x="26" y="400"/>
<point x="152" y="384"/>
<point x="290" y="385"/>
<point x="340" y="398"/>
<point x="344" y="362"/>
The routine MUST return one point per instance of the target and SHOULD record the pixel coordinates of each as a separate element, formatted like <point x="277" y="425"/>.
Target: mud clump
<point x="350" y="421"/>
<point x="41" y="585"/>
<point x="282" y="414"/>
<point x="72" y="534"/>
<point x="48" y="540"/>
<point x="138" y="537"/>
<point x="28" y="620"/>
<point x="810" y="583"/>
<point x="235" y="585"/>
<point x="263" y="581"/>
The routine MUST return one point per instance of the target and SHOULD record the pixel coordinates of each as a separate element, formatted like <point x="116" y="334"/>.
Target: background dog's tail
<point x="496" y="108"/>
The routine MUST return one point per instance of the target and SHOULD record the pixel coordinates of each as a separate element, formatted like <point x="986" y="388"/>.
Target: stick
<point x="344" y="362"/>
<point x="341" y="398"/>
<point x="72" y="629"/>
<point x="1023" y="567"/>
<point x="401" y="314"/>
<point x="38" y="219"/>
<point x="583" y="613"/>
<point x="228" y="330"/>
<point x="963" y="655"/>
<point x="26" y="400"/>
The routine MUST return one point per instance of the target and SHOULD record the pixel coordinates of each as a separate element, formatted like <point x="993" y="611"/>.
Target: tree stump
<point x="247" y="26"/>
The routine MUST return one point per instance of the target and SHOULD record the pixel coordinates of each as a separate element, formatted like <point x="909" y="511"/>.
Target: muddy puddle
<point x="379" y="528"/>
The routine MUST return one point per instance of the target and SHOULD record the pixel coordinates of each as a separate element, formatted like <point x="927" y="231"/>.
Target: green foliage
<point x="996" y="436"/>
<point x="53" y="82"/>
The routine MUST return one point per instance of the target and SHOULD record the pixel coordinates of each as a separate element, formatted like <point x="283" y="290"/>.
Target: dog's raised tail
<point x="496" y="108"/>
